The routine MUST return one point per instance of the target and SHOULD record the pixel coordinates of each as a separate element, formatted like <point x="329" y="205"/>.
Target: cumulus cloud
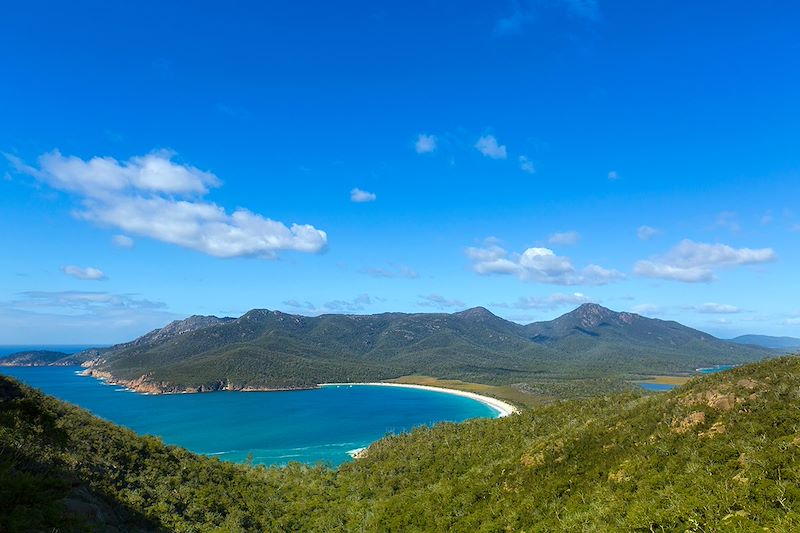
<point x="552" y="301"/>
<point x="334" y="306"/>
<point x="537" y="264"/>
<point x="693" y="262"/>
<point x="489" y="147"/>
<point x="359" y="196"/>
<point x="393" y="271"/>
<point x="155" y="197"/>
<point x="425" y="144"/>
<point x="88" y="273"/>
<point x="716" y="308"/>
<point x="439" y="302"/>
<point x="122" y="241"/>
<point x="645" y="233"/>
<point x="526" y="165"/>
<point x="564" y="238"/>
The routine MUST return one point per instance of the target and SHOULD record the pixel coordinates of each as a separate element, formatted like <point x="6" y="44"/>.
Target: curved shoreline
<point x="503" y="408"/>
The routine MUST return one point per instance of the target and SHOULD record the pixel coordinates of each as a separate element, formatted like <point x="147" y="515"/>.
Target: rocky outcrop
<point x="146" y="384"/>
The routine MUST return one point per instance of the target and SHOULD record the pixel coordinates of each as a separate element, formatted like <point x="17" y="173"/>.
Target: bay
<point x="275" y="427"/>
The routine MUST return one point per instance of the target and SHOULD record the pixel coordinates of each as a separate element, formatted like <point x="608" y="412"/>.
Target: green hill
<point x="767" y="341"/>
<point x="32" y="358"/>
<point x="721" y="453"/>
<point x="272" y="350"/>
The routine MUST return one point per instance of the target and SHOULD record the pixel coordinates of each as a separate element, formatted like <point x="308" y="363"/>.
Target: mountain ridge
<point x="271" y="350"/>
<point x="769" y="341"/>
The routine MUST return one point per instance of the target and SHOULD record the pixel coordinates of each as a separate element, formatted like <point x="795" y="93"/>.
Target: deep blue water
<point x="276" y="427"/>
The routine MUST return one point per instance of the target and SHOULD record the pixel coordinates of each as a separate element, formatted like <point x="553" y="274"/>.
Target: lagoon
<point x="275" y="427"/>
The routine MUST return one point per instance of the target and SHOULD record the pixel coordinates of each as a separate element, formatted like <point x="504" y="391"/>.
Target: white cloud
<point x="88" y="273"/>
<point x="123" y="241"/>
<point x="334" y="306"/>
<point x="716" y="308"/>
<point x="613" y="175"/>
<point x="83" y="300"/>
<point x="359" y="196"/>
<point x="155" y="197"/>
<point x="647" y="309"/>
<point x="552" y="301"/>
<point x="395" y="271"/>
<point x="439" y="302"/>
<point x="425" y="143"/>
<point x="78" y="317"/>
<point x="728" y="220"/>
<point x="565" y="238"/>
<point x="488" y="146"/>
<point x="693" y="262"/>
<point x="645" y="233"/>
<point x="526" y="165"/>
<point x="537" y="264"/>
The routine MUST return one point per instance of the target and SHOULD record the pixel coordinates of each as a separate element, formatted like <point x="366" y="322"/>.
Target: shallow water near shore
<point x="276" y="427"/>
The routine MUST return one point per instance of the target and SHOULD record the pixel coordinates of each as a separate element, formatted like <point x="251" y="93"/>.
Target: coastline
<point x="503" y="408"/>
<point x="143" y="386"/>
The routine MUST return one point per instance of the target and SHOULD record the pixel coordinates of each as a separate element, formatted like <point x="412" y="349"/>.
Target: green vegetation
<point x="32" y="358"/>
<point x="721" y="453"/>
<point x="588" y="351"/>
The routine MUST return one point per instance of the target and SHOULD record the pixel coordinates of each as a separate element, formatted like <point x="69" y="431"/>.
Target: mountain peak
<point x="476" y="312"/>
<point x="590" y="315"/>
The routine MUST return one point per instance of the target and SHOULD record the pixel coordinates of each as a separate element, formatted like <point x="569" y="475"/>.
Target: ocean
<point x="311" y="426"/>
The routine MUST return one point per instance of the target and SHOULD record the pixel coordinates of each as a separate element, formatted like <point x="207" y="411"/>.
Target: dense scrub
<point x="721" y="453"/>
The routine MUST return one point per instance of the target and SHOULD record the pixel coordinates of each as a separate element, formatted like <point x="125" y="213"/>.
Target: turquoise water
<point x="276" y="427"/>
<point x="660" y="387"/>
<point x="657" y="386"/>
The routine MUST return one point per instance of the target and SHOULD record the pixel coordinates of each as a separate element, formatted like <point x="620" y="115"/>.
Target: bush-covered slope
<point x="719" y="454"/>
<point x="270" y="349"/>
<point x="32" y="358"/>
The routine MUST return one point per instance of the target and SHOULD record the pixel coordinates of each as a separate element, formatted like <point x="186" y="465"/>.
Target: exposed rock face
<point x="147" y="385"/>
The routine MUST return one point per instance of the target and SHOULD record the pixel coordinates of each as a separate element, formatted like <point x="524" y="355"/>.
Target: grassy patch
<point x="666" y="380"/>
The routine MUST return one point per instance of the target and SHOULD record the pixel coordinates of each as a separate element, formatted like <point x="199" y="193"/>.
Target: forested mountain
<point x="767" y="341"/>
<point x="32" y="358"/>
<point x="273" y="350"/>
<point x="719" y="454"/>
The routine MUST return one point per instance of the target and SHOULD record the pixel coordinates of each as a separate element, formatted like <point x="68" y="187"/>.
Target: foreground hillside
<point x="721" y="453"/>
<point x="272" y="350"/>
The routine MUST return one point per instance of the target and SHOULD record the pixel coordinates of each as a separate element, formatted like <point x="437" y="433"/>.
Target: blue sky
<point x="161" y="161"/>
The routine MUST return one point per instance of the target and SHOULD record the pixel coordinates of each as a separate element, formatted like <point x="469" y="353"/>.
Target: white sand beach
<point x="502" y="408"/>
